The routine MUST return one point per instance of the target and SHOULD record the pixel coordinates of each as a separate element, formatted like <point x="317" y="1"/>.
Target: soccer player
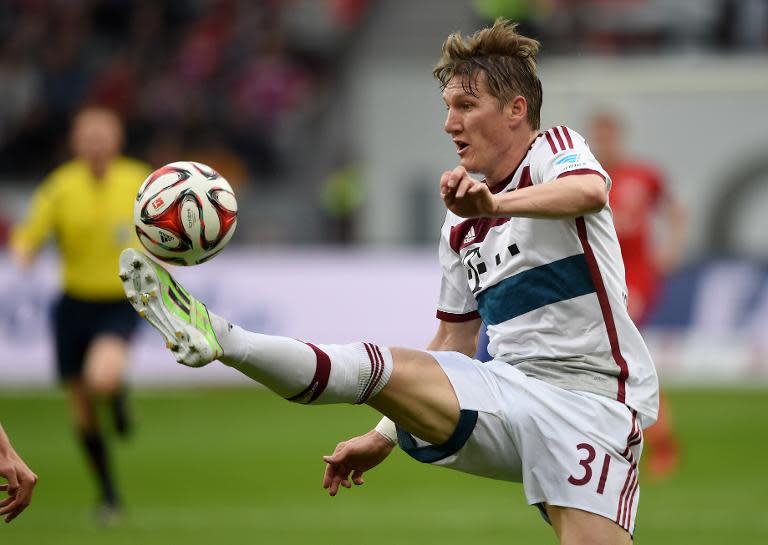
<point x="20" y="480"/>
<point x="87" y="205"/>
<point x="531" y="250"/>
<point x="639" y="198"/>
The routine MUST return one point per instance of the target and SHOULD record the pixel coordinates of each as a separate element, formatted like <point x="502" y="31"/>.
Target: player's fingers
<point x="3" y="486"/>
<point x="444" y="177"/>
<point x="457" y="174"/>
<point x="15" y="513"/>
<point x="333" y="487"/>
<point x="330" y="459"/>
<point x="335" y="474"/>
<point x="13" y="481"/>
<point x="332" y="471"/>
<point x="8" y="500"/>
<point x="357" y="477"/>
<point x="327" y="476"/>
<point x="337" y="457"/>
<point x="12" y="506"/>
<point x="464" y="186"/>
<point x="338" y="481"/>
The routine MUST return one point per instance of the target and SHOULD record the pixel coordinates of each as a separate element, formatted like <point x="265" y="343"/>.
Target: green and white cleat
<point x="182" y="320"/>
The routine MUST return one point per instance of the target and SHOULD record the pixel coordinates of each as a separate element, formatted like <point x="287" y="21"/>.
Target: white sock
<point x="304" y="372"/>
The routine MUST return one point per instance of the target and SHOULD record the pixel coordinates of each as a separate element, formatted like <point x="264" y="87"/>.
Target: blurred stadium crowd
<point x="250" y="87"/>
<point x="238" y="79"/>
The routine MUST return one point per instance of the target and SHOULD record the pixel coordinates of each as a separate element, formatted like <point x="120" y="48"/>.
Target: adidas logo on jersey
<point x="469" y="237"/>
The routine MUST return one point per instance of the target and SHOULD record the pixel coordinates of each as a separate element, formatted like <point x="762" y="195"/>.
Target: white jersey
<point x="550" y="291"/>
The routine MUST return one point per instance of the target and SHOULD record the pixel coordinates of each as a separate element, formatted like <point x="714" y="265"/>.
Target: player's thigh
<point x="71" y="338"/>
<point x="105" y="363"/>
<point x="113" y="327"/>
<point x="480" y="442"/>
<point x="578" y="450"/>
<point x="578" y="527"/>
<point x="419" y="396"/>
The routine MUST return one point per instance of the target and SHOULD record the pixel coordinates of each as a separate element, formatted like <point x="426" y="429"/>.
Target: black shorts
<point x="76" y="323"/>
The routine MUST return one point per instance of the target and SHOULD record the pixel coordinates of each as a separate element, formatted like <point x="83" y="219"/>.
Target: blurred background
<point x="324" y="117"/>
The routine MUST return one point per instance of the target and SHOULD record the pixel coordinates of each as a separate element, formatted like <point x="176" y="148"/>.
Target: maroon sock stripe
<point x="559" y="138"/>
<point x="567" y="136"/>
<point x="319" y="381"/>
<point x="374" y="364"/>
<point x="605" y="309"/>
<point x="551" y="142"/>
<point x="377" y="368"/>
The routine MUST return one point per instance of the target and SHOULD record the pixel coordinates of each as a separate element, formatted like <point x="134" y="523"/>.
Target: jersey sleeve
<point x="33" y="231"/>
<point x="565" y="153"/>
<point x="456" y="302"/>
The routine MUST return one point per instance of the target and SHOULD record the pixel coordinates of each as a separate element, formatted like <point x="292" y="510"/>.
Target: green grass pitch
<point x="242" y="466"/>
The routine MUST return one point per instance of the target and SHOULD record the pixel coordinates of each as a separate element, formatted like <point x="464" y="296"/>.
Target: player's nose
<point x="452" y="122"/>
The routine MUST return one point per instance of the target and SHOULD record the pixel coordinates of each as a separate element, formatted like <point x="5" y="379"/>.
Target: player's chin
<point x="468" y="163"/>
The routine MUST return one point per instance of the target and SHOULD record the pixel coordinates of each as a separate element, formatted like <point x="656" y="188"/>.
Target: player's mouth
<point x="461" y="146"/>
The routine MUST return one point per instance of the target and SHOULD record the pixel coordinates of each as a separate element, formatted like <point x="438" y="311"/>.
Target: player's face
<point x="96" y="136"/>
<point x="480" y="130"/>
<point x="605" y="138"/>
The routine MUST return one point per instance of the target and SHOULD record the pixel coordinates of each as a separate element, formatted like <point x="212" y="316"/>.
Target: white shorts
<point x="569" y="449"/>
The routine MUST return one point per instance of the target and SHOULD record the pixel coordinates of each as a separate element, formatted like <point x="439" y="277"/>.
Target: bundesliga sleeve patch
<point x="569" y="160"/>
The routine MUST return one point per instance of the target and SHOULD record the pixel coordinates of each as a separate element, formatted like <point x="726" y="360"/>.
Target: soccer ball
<point x="185" y="213"/>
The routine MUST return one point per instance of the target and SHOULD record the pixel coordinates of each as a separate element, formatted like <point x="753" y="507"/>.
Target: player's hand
<point x="465" y="196"/>
<point x="21" y="482"/>
<point x="352" y="458"/>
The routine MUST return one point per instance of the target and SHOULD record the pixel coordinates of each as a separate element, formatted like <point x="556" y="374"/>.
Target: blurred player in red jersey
<point x="639" y="199"/>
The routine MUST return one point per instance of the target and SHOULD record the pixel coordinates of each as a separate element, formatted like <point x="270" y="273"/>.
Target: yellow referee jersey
<point x="91" y="220"/>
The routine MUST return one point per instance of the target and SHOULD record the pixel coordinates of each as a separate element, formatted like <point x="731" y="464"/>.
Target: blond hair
<point x="507" y="58"/>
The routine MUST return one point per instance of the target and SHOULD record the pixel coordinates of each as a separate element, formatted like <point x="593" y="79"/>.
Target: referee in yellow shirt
<point x="87" y="205"/>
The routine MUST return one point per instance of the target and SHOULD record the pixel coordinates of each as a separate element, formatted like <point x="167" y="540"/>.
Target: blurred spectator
<point x="341" y="199"/>
<point x="639" y="198"/>
<point x="20" y="89"/>
<point x="617" y="26"/>
<point x="176" y="67"/>
<point x="267" y="95"/>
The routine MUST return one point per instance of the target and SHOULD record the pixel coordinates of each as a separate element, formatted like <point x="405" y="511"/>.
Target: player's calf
<point x="305" y="372"/>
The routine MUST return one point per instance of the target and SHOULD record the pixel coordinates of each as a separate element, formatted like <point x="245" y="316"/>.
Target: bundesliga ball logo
<point x="185" y="213"/>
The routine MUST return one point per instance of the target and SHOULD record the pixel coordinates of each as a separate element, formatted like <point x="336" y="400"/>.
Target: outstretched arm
<point x="573" y="196"/>
<point x="20" y="480"/>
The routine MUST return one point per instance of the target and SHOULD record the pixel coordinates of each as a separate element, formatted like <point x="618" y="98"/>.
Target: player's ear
<point x="516" y="110"/>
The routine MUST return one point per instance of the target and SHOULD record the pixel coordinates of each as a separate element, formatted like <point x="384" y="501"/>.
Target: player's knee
<point x="104" y="379"/>
<point x="104" y="386"/>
